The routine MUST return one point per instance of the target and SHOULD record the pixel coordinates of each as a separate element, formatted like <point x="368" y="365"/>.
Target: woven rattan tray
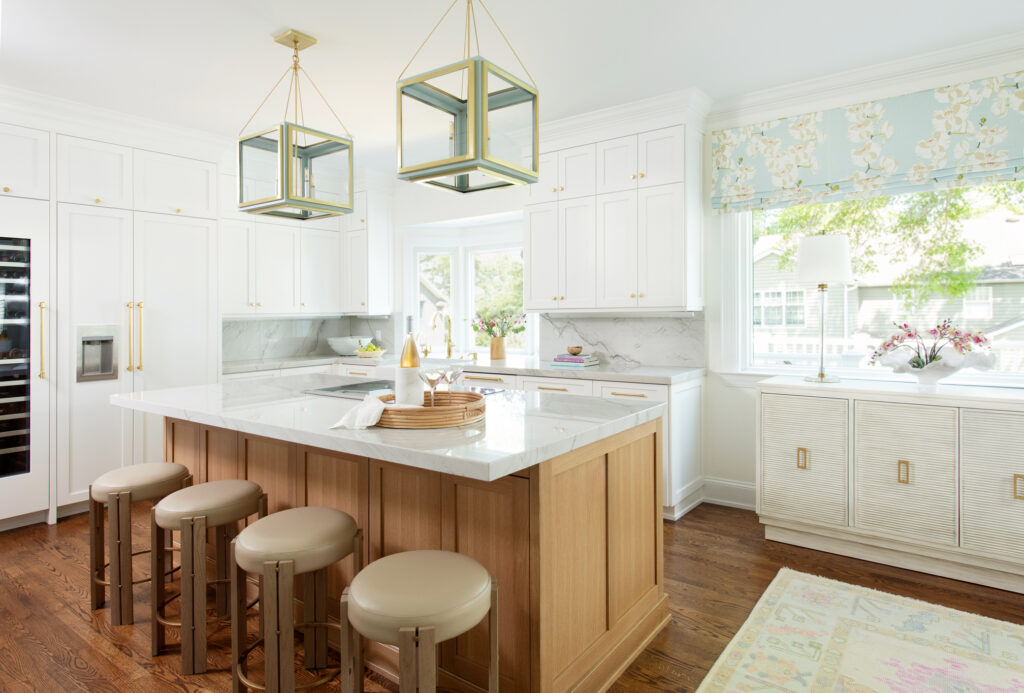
<point x="449" y="409"/>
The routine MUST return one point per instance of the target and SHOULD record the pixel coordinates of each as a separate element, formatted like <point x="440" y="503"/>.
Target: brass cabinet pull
<point x="258" y="304"/>
<point x="561" y="188"/>
<point x="139" y="367"/>
<point x="629" y="394"/>
<point x="903" y="471"/>
<point x="129" y="305"/>
<point x="357" y="373"/>
<point x="6" y="189"/>
<point x="641" y="294"/>
<point x="552" y="189"/>
<point x="42" y="341"/>
<point x="1018" y="486"/>
<point x="641" y="175"/>
<point x="632" y="176"/>
<point x="632" y="295"/>
<point x="483" y="377"/>
<point x="561" y="298"/>
<point x="178" y="210"/>
<point x="801" y="458"/>
<point x="97" y="200"/>
<point x="556" y="389"/>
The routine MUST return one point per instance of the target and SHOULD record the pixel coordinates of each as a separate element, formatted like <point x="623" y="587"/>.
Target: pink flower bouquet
<point x="501" y="325"/>
<point x="935" y="353"/>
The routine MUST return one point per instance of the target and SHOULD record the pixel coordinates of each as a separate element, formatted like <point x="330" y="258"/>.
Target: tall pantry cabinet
<point x="136" y="251"/>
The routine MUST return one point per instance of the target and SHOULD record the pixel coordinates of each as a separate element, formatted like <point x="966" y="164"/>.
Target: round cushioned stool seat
<point x="312" y="537"/>
<point x="446" y="590"/>
<point x="143" y="481"/>
<point x="219" y="501"/>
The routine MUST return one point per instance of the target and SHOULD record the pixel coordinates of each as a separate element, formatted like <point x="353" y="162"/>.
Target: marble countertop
<point x="520" y="429"/>
<point x="280" y="362"/>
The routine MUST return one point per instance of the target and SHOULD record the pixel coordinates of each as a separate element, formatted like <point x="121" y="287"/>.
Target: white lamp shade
<point x="824" y="259"/>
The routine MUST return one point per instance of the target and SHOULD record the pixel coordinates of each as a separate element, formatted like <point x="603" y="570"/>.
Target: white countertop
<point x="515" y="365"/>
<point x="974" y="396"/>
<point x="520" y="429"/>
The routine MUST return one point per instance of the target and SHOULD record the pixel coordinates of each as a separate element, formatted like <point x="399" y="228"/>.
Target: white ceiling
<point x="208" y="63"/>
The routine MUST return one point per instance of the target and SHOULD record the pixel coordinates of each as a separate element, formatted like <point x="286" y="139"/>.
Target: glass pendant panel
<point x="259" y="176"/>
<point x="511" y="122"/>
<point x="320" y="168"/>
<point x="435" y="117"/>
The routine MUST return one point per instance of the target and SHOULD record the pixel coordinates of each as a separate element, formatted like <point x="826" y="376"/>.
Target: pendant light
<point x="291" y="170"/>
<point x="470" y="125"/>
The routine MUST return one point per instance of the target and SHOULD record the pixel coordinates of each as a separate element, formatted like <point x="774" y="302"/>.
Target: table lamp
<point x="823" y="260"/>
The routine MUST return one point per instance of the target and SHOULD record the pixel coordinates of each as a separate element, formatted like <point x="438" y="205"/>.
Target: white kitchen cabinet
<point x="93" y="173"/>
<point x="576" y="172"/>
<point x="174" y="185"/>
<point x="661" y="157"/>
<point x="546" y="187"/>
<point x="24" y="162"/>
<point x="662" y="277"/>
<point x="366" y="256"/>
<point x="357" y="218"/>
<point x="356" y="290"/>
<point x="540" y="253"/>
<point x="565" y="386"/>
<point x="577" y="252"/>
<point x="616" y="165"/>
<point x="319" y="279"/>
<point x="617" y="244"/>
<point x="276" y="266"/>
<point x="237" y="274"/>
<point x="631" y="391"/>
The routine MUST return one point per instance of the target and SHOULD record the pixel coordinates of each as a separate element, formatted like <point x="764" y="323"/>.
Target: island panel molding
<point x="580" y="598"/>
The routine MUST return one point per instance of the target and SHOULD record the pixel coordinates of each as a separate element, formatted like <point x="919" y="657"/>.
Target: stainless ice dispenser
<point x="97" y="352"/>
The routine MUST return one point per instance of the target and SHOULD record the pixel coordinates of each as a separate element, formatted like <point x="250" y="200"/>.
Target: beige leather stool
<point x="416" y="600"/>
<point x="118" y="489"/>
<point x="216" y="504"/>
<point x="279" y="547"/>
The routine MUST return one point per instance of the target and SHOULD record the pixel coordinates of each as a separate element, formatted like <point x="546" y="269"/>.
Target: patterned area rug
<point x="812" y="634"/>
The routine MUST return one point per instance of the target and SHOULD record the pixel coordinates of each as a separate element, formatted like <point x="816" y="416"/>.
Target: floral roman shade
<point x="959" y="135"/>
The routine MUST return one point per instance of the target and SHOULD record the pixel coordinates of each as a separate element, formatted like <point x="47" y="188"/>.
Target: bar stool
<point x="278" y="547"/>
<point x="416" y="600"/>
<point x="218" y="505"/>
<point x="118" y="489"/>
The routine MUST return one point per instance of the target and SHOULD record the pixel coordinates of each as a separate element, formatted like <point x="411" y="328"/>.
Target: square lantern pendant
<point x="466" y="127"/>
<point x="295" y="172"/>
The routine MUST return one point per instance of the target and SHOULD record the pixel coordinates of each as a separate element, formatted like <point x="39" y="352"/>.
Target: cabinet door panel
<point x="576" y="172"/>
<point x="277" y="269"/>
<point x="175" y="185"/>
<point x="94" y="262"/>
<point x="405" y="509"/>
<point x="660" y="156"/>
<point x="540" y="257"/>
<point x="237" y="290"/>
<point x="905" y="468"/>
<point x="356" y="280"/>
<point x="24" y="162"/>
<point x="546" y="187"/>
<point x="320" y="279"/>
<point x="617" y="250"/>
<point x="809" y="486"/>
<point x="992" y="483"/>
<point x="358" y="218"/>
<point x="661" y="248"/>
<point x="616" y="165"/>
<point x="577" y="251"/>
<point x="93" y="173"/>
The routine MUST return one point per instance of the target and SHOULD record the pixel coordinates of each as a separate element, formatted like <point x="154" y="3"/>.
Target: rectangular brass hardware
<point x="1018" y="486"/>
<point x="481" y="377"/>
<point x="42" y="342"/>
<point x="903" y="472"/>
<point x="357" y="373"/>
<point x="801" y="458"/>
<point x="629" y="394"/>
<point x="556" y="389"/>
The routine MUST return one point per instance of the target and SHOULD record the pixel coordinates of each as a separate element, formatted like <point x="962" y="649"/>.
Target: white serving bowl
<point x="347" y="346"/>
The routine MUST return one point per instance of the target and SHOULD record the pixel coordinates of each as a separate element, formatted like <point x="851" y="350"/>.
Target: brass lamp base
<point x="821" y="378"/>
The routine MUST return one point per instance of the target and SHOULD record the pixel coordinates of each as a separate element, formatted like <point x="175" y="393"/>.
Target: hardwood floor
<point x="716" y="566"/>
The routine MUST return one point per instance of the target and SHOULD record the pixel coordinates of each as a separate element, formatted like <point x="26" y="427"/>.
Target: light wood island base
<point x="575" y="543"/>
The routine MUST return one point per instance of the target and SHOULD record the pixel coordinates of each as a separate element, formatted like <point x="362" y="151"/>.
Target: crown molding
<point x="685" y="106"/>
<point x="966" y="62"/>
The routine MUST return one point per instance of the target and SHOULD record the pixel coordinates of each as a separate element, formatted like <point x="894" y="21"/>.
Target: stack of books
<point x="578" y="361"/>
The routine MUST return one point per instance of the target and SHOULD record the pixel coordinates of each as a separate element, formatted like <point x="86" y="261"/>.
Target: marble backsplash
<point x="254" y="340"/>
<point x="627" y="342"/>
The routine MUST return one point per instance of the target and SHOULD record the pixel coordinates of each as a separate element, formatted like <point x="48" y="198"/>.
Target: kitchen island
<point x="557" y="495"/>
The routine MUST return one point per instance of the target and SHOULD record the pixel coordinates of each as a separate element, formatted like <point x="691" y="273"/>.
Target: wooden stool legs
<point x="97" y="593"/>
<point x="160" y="543"/>
<point x="193" y="595"/>
<point x="314" y="638"/>
<point x="351" y="641"/>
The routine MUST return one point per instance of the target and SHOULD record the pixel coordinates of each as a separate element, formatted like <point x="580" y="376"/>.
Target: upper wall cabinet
<point x="565" y="175"/>
<point x="640" y="161"/>
<point x="93" y="173"/>
<point x="24" y="162"/>
<point x="366" y="256"/>
<point x="319" y="279"/>
<point x="175" y="185"/>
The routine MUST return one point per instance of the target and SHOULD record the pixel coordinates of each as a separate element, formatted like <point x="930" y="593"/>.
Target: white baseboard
<point x="734" y="494"/>
<point x="692" y="496"/>
<point x="41" y="516"/>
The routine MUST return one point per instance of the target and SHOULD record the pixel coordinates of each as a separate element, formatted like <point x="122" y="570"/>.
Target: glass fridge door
<point x="15" y="350"/>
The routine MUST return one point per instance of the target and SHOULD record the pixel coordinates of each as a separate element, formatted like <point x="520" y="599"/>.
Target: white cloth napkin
<point x="365" y="415"/>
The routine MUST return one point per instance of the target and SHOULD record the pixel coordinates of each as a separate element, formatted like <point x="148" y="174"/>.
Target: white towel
<point x="365" y="415"/>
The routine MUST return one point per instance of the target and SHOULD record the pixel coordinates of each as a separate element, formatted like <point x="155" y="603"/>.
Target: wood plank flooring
<point x="717" y="565"/>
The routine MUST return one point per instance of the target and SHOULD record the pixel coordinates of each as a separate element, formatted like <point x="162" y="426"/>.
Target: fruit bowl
<point x="370" y="354"/>
<point x="347" y="346"/>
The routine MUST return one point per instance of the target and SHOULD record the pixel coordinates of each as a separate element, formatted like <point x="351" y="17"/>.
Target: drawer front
<point x="631" y="391"/>
<point x="490" y="380"/>
<point x="306" y="370"/>
<point x="359" y="371"/>
<point x="805" y="459"/>
<point x="564" y="386"/>
<point x="905" y="471"/>
<point x="251" y="375"/>
<point x="992" y="483"/>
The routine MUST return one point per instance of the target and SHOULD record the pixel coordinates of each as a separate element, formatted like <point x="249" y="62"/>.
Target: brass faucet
<point x="448" y="343"/>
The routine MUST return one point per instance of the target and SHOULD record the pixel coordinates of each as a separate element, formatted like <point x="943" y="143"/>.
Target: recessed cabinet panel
<point x="661" y="248"/>
<point x="24" y="162"/>
<point x="905" y="472"/>
<point x="576" y="172"/>
<point x="320" y="279"/>
<point x="237" y="278"/>
<point x="356" y="288"/>
<point x="617" y="250"/>
<point x="93" y="173"/>
<point x="805" y="459"/>
<point x="660" y="157"/>
<point x="358" y="218"/>
<point x="546" y="187"/>
<point x="540" y="270"/>
<point x="577" y="251"/>
<point x="175" y="185"/>
<point x="277" y="268"/>
<point x="616" y="165"/>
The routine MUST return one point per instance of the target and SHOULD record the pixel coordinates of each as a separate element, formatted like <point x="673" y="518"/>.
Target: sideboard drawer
<point x="805" y="458"/>
<point x="992" y="483"/>
<point x="565" y="386"/>
<point x="905" y="468"/>
<point x="502" y="380"/>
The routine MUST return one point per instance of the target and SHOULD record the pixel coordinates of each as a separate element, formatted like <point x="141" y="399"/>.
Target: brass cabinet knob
<point x="641" y="294"/>
<point x="252" y="305"/>
<point x="362" y="221"/>
<point x="632" y="295"/>
<point x="632" y="176"/>
<point x="178" y="210"/>
<point x="303" y="305"/>
<point x="641" y="175"/>
<point x="554" y="298"/>
<point x="552" y="189"/>
<point x="362" y="303"/>
<point x="561" y="298"/>
<point x="97" y="200"/>
<point x="561" y="188"/>
<point x="258" y="304"/>
<point x="6" y="189"/>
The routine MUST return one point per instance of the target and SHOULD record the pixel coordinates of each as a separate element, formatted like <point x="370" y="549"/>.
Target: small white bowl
<point x="347" y="346"/>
